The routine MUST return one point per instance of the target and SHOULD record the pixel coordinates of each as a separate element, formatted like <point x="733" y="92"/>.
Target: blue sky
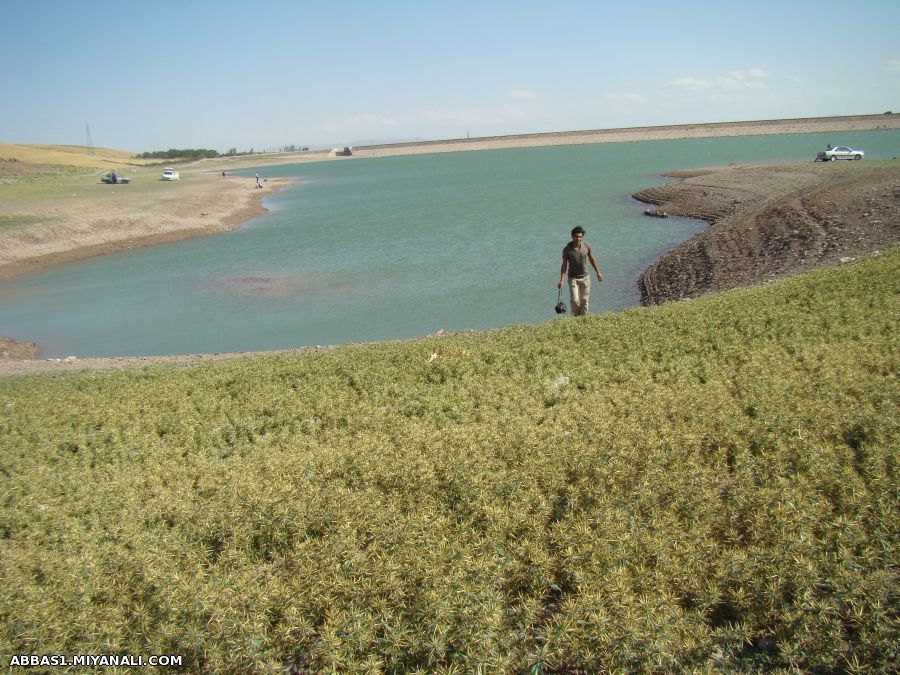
<point x="269" y="73"/>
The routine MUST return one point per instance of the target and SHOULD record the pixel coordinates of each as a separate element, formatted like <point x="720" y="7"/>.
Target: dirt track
<point x="771" y="222"/>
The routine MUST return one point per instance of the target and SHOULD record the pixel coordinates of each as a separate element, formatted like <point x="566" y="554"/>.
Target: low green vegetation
<point x="31" y="187"/>
<point x="38" y="185"/>
<point x="705" y="486"/>
<point x="24" y="191"/>
<point x="12" y="170"/>
<point x="17" y="221"/>
<point x="187" y="154"/>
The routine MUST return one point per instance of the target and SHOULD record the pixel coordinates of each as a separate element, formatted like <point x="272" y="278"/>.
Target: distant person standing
<point x="575" y="258"/>
<point x="257" y="180"/>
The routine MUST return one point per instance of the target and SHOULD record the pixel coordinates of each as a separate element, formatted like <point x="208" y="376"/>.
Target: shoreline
<point x="88" y="230"/>
<point x="64" y="257"/>
<point x="718" y="258"/>
<point x="766" y="222"/>
<point x="770" y="222"/>
<point x="804" y="125"/>
<point x="210" y="205"/>
<point x="199" y="210"/>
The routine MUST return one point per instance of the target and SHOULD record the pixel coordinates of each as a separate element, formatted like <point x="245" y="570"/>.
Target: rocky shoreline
<point x="771" y="222"/>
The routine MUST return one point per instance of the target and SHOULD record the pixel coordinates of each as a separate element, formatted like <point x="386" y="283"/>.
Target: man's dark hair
<point x="577" y="230"/>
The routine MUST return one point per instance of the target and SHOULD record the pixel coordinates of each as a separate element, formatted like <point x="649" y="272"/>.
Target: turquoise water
<point x="385" y="248"/>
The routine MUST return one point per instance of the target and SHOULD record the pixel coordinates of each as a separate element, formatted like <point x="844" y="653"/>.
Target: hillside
<point x="37" y="158"/>
<point x="703" y="486"/>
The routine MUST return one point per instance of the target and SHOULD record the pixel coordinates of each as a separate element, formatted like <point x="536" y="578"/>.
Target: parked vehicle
<point x="170" y="174"/>
<point x="112" y="178"/>
<point x="841" y="152"/>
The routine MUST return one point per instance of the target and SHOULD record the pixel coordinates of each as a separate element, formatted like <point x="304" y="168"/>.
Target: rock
<point x="560" y="381"/>
<point x="767" y="644"/>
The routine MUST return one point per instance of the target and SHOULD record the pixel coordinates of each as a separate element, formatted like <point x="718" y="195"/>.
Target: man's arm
<point x="562" y="272"/>
<point x="594" y="264"/>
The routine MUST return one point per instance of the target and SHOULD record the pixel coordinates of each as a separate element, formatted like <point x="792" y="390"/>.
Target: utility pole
<point x="90" y="143"/>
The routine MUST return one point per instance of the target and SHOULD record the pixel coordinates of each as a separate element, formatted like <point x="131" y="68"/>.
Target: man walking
<point x="575" y="258"/>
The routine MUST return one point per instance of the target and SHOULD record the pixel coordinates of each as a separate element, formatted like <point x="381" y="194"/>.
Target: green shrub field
<point x="704" y="486"/>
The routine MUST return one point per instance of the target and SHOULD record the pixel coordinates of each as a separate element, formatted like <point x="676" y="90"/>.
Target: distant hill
<point x="69" y="155"/>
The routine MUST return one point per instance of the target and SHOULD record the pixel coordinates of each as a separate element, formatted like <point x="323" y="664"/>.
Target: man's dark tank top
<point x="578" y="259"/>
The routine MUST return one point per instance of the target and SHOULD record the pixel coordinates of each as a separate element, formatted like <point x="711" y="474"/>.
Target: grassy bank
<point x="702" y="486"/>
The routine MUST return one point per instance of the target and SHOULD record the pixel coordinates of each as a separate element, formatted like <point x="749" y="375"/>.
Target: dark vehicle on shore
<point x="113" y="178"/>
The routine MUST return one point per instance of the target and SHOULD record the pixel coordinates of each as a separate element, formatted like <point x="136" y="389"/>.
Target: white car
<point x="170" y="174"/>
<point x="840" y="152"/>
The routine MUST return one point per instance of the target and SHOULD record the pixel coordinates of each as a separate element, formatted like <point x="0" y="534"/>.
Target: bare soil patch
<point x="97" y="219"/>
<point x="11" y="350"/>
<point x="771" y="222"/>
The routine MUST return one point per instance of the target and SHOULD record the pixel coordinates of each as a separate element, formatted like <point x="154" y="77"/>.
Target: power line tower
<point x="90" y="143"/>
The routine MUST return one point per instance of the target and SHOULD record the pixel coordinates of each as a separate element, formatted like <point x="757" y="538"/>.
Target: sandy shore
<point x="766" y="222"/>
<point x="98" y="219"/>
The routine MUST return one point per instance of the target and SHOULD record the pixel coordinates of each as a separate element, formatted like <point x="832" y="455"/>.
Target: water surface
<point x="393" y="247"/>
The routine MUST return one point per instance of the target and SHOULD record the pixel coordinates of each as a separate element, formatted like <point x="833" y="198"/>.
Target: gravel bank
<point x="771" y="222"/>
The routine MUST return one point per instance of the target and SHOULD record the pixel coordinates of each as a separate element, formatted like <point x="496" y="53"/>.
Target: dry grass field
<point x="30" y="156"/>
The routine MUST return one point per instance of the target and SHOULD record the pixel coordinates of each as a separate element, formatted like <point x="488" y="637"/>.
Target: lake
<point x="373" y="249"/>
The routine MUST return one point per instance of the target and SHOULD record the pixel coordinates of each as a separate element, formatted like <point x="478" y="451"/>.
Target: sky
<point x="143" y="75"/>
